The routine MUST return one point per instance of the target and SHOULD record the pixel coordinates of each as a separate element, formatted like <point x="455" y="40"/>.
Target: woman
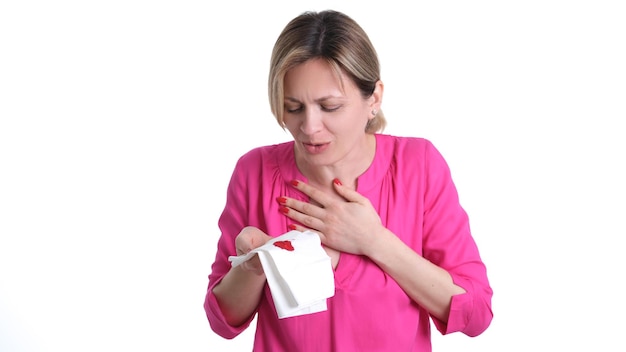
<point x="385" y="208"/>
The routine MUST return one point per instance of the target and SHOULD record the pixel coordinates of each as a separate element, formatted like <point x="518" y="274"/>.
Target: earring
<point x="374" y="112"/>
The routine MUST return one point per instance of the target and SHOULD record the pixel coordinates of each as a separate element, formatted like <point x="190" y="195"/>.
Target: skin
<point x="327" y="121"/>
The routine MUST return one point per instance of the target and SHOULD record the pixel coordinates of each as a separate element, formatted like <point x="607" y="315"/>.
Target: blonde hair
<point x="334" y="37"/>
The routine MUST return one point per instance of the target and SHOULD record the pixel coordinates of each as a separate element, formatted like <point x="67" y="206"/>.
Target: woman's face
<point x="326" y="121"/>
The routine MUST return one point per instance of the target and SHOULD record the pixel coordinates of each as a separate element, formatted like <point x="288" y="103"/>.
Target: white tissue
<point x="300" y="279"/>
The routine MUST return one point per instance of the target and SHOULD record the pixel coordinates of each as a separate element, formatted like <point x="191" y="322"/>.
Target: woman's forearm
<point x="427" y="284"/>
<point x="238" y="294"/>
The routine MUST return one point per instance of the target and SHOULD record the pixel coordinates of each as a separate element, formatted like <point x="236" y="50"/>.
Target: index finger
<point x="312" y="192"/>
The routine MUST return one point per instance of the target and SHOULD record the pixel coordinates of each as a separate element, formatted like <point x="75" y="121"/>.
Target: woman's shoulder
<point x="403" y="144"/>
<point x="403" y="151"/>
<point x="266" y="154"/>
<point x="264" y="162"/>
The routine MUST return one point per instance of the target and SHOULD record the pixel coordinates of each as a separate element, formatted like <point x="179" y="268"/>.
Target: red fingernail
<point x="337" y="182"/>
<point x="295" y="183"/>
<point x="291" y="227"/>
<point x="284" y="210"/>
<point x="281" y="200"/>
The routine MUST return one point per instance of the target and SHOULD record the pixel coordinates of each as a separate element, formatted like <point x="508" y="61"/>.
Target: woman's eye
<point x="298" y="109"/>
<point x="331" y="108"/>
<point x="293" y="110"/>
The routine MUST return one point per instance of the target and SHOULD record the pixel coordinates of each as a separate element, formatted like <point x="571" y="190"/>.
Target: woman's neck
<point x="347" y="170"/>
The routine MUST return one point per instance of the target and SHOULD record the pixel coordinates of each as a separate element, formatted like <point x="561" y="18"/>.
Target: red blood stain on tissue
<point x="284" y="245"/>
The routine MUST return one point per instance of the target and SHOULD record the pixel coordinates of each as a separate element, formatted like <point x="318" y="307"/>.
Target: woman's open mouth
<point x="314" y="148"/>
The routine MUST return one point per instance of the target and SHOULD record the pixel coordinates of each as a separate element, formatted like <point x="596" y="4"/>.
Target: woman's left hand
<point x="347" y="223"/>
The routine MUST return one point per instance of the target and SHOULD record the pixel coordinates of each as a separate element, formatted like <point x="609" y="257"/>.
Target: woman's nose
<point x="312" y="122"/>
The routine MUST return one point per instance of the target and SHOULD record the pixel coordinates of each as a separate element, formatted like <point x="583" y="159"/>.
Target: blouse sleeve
<point x="449" y="244"/>
<point x="231" y="221"/>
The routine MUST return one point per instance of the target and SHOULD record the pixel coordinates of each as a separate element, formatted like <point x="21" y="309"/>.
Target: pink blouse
<point x="410" y="186"/>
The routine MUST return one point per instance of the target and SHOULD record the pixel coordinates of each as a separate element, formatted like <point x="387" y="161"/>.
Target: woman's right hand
<point x="248" y="239"/>
<point x="239" y="292"/>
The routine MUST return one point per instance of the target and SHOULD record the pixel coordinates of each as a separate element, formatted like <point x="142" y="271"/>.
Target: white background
<point x="120" y="122"/>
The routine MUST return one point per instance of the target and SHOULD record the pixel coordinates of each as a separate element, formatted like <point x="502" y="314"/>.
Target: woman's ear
<point x="376" y="99"/>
